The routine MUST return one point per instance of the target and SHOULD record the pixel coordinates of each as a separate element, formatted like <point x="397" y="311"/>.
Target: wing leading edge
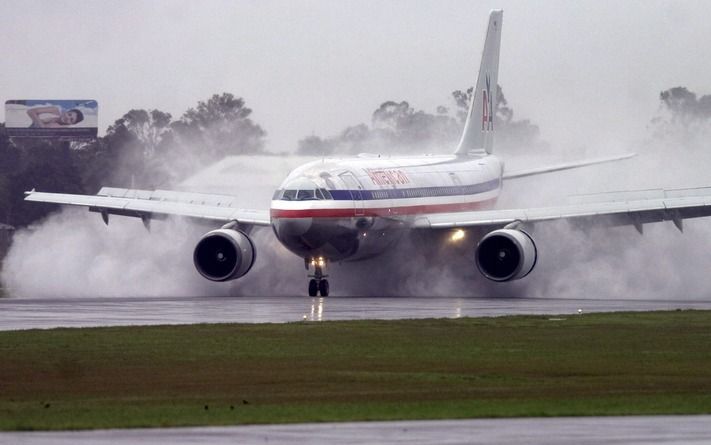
<point x="627" y="208"/>
<point x="149" y="205"/>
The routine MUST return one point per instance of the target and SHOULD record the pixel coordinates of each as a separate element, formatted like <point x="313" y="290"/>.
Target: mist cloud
<point x="72" y="253"/>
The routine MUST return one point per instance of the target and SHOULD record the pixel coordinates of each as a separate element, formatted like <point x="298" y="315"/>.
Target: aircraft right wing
<point x="149" y="205"/>
<point x="611" y="209"/>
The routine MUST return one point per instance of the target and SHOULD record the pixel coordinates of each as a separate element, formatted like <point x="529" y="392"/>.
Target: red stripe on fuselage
<point x="383" y="211"/>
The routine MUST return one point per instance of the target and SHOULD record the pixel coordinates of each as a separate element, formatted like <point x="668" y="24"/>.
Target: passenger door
<point x="354" y="188"/>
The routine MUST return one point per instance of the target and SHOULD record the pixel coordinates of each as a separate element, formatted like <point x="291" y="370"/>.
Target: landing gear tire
<point x="313" y="288"/>
<point x="318" y="283"/>
<point x="323" y="288"/>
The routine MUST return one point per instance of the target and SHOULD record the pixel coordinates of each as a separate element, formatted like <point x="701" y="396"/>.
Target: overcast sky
<point x="585" y="71"/>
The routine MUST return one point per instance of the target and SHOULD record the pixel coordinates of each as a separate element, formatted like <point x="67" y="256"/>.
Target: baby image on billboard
<point x="62" y="119"/>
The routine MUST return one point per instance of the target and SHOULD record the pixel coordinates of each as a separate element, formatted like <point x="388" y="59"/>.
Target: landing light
<point x="320" y="261"/>
<point x="457" y="235"/>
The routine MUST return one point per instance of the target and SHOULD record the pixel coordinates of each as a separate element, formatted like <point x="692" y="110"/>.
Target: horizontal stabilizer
<point x="564" y="166"/>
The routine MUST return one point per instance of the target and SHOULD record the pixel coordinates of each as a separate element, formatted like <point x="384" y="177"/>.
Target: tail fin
<point x="478" y="131"/>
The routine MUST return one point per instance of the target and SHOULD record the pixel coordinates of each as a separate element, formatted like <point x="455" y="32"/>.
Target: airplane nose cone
<point x="307" y="238"/>
<point x="291" y="227"/>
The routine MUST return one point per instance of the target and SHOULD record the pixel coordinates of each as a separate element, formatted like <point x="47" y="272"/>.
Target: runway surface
<point x="28" y="313"/>
<point x="688" y="430"/>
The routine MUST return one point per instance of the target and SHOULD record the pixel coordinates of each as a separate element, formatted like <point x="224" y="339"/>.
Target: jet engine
<point x="506" y="254"/>
<point x="224" y="254"/>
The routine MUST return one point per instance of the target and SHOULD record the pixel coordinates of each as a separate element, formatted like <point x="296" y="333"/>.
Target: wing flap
<point x="151" y="204"/>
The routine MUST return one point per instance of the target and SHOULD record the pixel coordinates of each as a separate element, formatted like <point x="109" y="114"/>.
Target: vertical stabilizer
<point x="478" y="134"/>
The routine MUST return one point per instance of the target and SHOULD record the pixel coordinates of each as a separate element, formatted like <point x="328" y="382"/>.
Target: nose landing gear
<point x="318" y="283"/>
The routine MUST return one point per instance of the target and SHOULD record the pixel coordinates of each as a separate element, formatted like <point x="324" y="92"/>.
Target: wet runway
<point x="632" y="430"/>
<point x="28" y="313"/>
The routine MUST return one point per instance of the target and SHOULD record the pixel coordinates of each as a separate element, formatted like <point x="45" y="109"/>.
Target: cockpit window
<point x="302" y="189"/>
<point x="302" y="195"/>
<point x="306" y="195"/>
<point x="289" y="195"/>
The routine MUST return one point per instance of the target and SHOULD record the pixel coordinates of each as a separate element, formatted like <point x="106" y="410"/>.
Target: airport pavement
<point x="29" y="313"/>
<point x="632" y="430"/>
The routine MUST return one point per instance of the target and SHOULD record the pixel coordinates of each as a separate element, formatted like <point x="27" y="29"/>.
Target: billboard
<point x="65" y="120"/>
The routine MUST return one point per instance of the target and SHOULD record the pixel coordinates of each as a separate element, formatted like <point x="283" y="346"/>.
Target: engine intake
<point x="506" y="254"/>
<point x="224" y="254"/>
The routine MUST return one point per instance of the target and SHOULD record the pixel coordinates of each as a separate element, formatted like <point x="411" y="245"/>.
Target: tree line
<point x="396" y="127"/>
<point x="143" y="149"/>
<point x="150" y="149"/>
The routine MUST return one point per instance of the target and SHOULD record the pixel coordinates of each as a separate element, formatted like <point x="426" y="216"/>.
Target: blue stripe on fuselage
<point x="419" y="192"/>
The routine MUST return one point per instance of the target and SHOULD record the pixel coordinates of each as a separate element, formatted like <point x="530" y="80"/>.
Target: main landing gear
<point x="318" y="283"/>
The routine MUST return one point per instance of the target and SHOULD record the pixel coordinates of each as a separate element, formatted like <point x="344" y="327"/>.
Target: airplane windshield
<point x="302" y="195"/>
<point x="302" y="189"/>
<point x="306" y="195"/>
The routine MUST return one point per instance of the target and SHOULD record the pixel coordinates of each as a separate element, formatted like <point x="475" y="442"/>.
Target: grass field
<point x="596" y="364"/>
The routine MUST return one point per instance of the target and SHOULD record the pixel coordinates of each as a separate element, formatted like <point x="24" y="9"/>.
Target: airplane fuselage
<point x="356" y="208"/>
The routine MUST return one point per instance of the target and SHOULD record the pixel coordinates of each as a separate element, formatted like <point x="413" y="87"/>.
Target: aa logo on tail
<point x="487" y="112"/>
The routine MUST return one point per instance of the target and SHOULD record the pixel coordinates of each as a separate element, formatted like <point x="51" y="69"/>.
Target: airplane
<point x="351" y="209"/>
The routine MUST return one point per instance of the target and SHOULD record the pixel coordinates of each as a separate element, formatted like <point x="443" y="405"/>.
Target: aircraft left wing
<point x="611" y="209"/>
<point x="149" y="205"/>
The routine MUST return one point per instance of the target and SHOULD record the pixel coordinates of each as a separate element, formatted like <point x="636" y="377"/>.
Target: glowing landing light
<point x="457" y="235"/>
<point x="320" y="261"/>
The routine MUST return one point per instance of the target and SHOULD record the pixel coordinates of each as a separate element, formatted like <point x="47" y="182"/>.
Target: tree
<point x="220" y="127"/>
<point x="683" y="118"/>
<point x="683" y="103"/>
<point x="46" y="166"/>
<point x="143" y="149"/>
<point x="135" y="147"/>
<point x="314" y="146"/>
<point x="511" y="135"/>
<point x="9" y="163"/>
<point x="396" y="127"/>
<point x="462" y="99"/>
<point x="148" y="127"/>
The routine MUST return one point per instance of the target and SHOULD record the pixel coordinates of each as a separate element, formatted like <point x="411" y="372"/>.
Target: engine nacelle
<point x="506" y="254"/>
<point x="224" y="254"/>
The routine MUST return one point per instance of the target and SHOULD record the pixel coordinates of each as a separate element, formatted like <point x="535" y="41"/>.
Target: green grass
<point x="594" y="364"/>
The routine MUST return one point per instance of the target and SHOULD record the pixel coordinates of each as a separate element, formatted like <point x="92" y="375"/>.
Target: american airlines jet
<point x="356" y="208"/>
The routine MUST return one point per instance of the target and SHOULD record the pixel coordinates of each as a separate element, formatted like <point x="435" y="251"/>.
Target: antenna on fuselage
<point x="478" y="134"/>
